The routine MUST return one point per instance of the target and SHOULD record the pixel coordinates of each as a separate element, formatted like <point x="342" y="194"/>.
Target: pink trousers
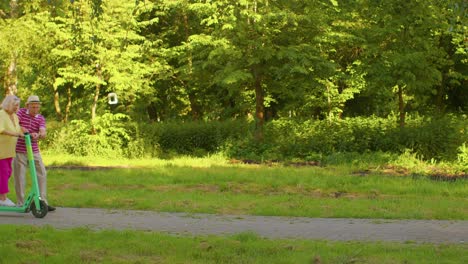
<point x="5" y="173"/>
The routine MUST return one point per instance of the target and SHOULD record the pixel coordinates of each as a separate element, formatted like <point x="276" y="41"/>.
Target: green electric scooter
<point x="33" y="203"/>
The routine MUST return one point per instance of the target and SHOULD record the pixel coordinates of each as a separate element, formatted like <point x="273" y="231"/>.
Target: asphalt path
<point x="334" y="229"/>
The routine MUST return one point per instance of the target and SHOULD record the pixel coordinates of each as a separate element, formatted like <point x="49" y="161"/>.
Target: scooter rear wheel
<point x="39" y="213"/>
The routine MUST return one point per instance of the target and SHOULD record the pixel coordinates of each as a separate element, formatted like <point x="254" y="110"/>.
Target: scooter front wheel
<point x="41" y="212"/>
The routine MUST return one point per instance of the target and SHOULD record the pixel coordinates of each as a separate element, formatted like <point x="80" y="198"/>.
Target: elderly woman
<point x="10" y="130"/>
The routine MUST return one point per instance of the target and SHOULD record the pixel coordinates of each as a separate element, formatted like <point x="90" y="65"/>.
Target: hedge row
<point x="431" y="138"/>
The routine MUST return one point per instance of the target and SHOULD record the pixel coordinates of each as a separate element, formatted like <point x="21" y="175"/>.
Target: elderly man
<point x="33" y="123"/>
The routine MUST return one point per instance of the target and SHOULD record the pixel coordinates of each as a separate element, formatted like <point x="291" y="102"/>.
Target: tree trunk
<point x="13" y="8"/>
<point x="11" y="81"/>
<point x="329" y="104"/>
<point x="152" y="111"/>
<point x="58" y="111"/>
<point x="259" y="107"/>
<point x="194" y="107"/>
<point x="69" y="100"/>
<point x="94" y="106"/>
<point x="96" y="98"/>
<point x="11" y="78"/>
<point x="441" y="92"/>
<point x="401" y="106"/>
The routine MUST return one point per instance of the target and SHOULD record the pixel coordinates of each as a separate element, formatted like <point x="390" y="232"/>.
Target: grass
<point x="27" y="244"/>
<point x="52" y="159"/>
<point x="212" y="185"/>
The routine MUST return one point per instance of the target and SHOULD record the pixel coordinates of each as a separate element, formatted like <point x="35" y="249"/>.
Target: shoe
<point x="7" y="202"/>
<point x="50" y="208"/>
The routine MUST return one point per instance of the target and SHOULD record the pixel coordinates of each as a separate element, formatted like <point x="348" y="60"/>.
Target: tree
<point x="403" y="55"/>
<point x="451" y="92"/>
<point x="99" y="54"/>
<point x="255" y="44"/>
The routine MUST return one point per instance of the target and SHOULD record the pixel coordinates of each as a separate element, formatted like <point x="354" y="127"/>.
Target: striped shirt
<point x="32" y="124"/>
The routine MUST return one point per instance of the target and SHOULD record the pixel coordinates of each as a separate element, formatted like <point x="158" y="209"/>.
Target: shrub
<point x="463" y="155"/>
<point x="428" y="138"/>
<point x="434" y="138"/>
<point x="284" y="139"/>
<point x="110" y="139"/>
<point x="195" y="137"/>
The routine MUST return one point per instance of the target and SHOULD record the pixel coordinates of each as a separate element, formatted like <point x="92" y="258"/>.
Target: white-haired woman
<point x="10" y="130"/>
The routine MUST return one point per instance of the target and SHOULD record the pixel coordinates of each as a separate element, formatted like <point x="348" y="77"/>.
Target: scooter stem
<point x="32" y="169"/>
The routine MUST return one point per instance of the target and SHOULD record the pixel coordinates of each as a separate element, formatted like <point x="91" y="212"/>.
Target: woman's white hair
<point x="9" y="102"/>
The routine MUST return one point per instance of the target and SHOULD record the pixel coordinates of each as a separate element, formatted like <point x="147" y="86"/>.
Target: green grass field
<point x="213" y="185"/>
<point x="311" y="192"/>
<point x="47" y="245"/>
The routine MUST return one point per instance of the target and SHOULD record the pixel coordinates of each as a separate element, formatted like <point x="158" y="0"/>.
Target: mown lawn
<point x="260" y="190"/>
<point x="213" y="185"/>
<point x="25" y="244"/>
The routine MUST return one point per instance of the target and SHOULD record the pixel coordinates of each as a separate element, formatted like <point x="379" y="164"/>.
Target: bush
<point x="110" y="139"/>
<point x="429" y="138"/>
<point x="193" y="138"/>
<point x="434" y="138"/>
<point x="463" y="155"/>
<point x="284" y="139"/>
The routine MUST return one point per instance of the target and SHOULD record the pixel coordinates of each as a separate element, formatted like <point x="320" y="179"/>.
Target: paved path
<point x="431" y="231"/>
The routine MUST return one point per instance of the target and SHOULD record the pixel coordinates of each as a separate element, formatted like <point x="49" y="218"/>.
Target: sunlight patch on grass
<point x="52" y="159"/>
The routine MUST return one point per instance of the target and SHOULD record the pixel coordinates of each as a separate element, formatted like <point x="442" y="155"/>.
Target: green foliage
<point x="440" y="139"/>
<point x="115" y="136"/>
<point x="112" y="137"/>
<point x="437" y="138"/>
<point x="463" y="155"/>
<point x="287" y="61"/>
<point x="196" y="138"/>
<point x="210" y="60"/>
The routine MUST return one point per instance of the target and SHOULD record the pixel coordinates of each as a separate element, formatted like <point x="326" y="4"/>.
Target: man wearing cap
<point x="33" y="123"/>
